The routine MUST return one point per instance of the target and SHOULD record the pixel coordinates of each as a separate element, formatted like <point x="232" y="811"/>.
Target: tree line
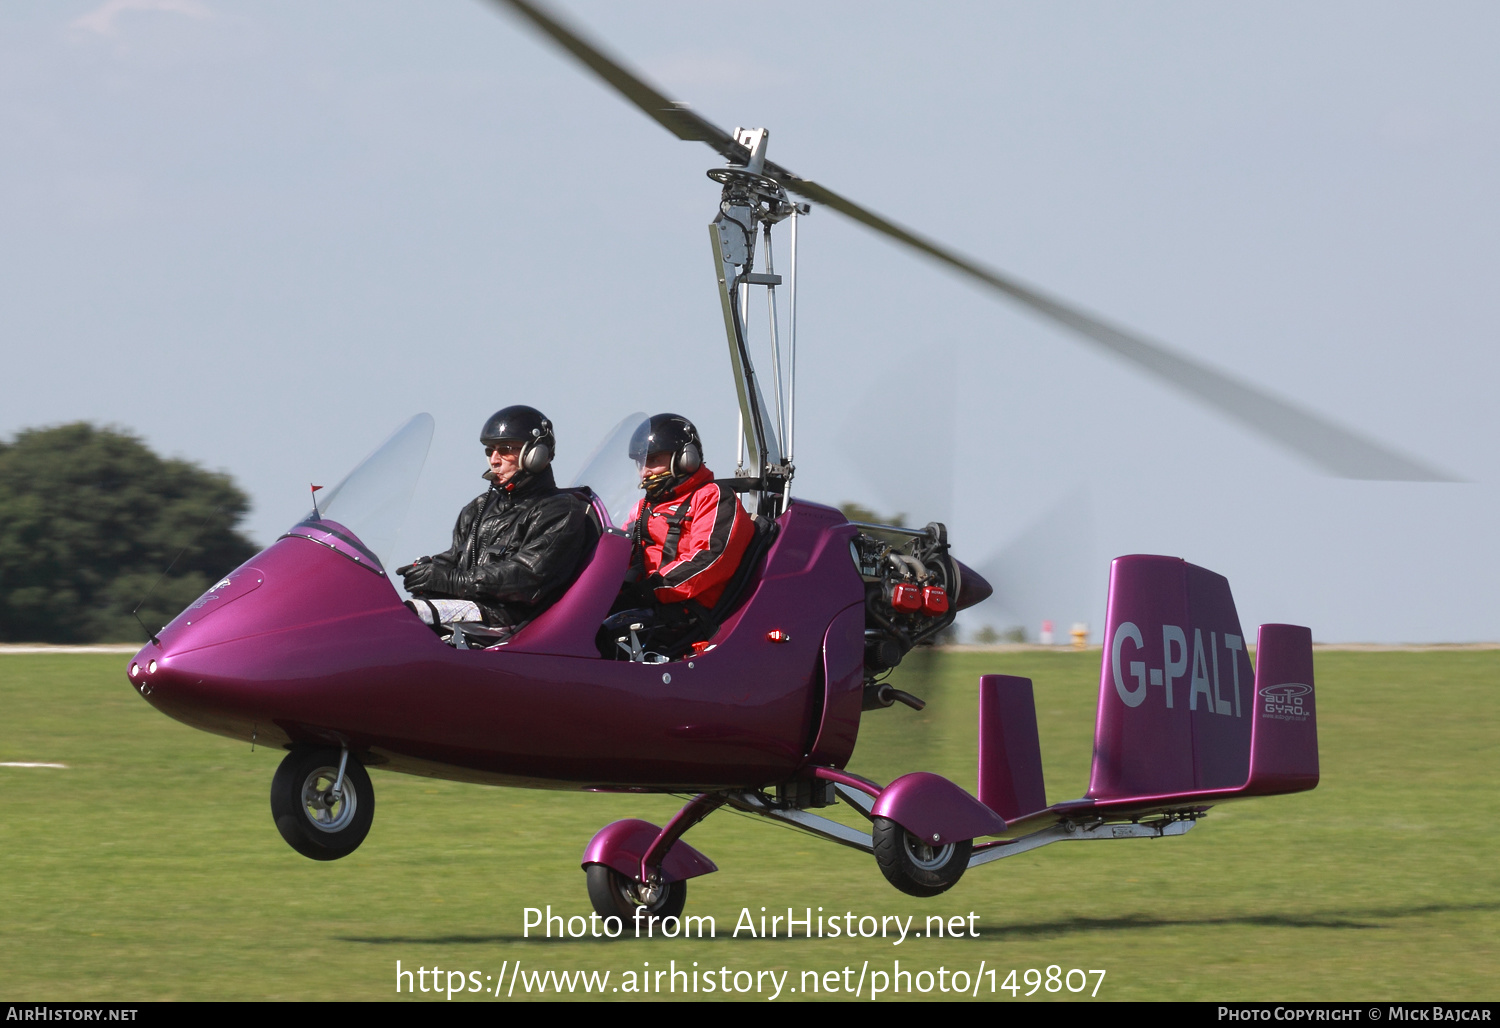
<point x="90" y="518"/>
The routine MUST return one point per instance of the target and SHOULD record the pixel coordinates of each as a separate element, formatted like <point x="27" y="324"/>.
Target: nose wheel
<point x="322" y="802"/>
<point x="916" y="866"/>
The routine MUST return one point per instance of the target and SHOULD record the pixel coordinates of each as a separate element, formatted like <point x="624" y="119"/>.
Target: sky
<point x="262" y="235"/>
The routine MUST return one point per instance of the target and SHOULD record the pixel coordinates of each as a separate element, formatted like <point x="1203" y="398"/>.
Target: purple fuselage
<point x="306" y="644"/>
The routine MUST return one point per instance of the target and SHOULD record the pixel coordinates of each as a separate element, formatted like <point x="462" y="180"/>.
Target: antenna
<point x="160" y="578"/>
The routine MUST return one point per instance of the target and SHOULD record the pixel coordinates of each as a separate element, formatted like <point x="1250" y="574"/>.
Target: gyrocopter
<point x="308" y="647"/>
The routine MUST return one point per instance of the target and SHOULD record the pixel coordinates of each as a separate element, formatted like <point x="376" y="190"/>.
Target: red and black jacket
<point x="693" y="539"/>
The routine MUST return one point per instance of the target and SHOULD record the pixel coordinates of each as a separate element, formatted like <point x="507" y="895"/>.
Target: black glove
<point x="403" y="571"/>
<point x="427" y="578"/>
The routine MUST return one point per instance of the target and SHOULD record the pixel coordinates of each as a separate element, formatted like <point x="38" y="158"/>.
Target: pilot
<point x="517" y="546"/>
<point x="689" y="531"/>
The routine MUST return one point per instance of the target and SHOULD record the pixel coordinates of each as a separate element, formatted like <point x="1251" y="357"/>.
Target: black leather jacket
<point x="515" y="552"/>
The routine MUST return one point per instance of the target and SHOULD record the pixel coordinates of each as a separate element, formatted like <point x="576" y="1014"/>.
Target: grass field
<point x="149" y="868"/>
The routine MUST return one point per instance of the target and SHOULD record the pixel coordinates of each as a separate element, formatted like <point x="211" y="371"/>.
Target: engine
<point x="911" y="585"/>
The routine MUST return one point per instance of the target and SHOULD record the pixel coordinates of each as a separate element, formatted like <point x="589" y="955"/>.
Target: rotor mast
<point x="750" y="205"/>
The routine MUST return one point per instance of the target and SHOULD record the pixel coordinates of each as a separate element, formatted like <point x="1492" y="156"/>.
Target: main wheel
<point x="916" y="867"/>
<point x="313" y="821"/>
<point x="614" y="895"/>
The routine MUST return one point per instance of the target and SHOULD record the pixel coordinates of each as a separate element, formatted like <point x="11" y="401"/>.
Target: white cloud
<point x="102" y="20"/>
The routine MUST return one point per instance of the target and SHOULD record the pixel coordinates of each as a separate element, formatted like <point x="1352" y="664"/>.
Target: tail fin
<point x="1284" y="744"/>
<point x="1175" y="695"/>
<point x="1180" y="711"/>
<point x="1010" y="756"/>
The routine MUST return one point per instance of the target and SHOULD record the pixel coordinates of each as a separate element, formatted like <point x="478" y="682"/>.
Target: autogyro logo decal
<point x="210" y="596"/>
<point x="1285" y="702"/>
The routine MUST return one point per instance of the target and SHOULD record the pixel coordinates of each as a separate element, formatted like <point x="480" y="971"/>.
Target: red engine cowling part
<point x="906" y="597"/>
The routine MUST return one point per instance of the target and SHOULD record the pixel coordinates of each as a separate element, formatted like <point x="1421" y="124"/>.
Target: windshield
<point x="361" y="516"/>
<point x="611" y="473"/>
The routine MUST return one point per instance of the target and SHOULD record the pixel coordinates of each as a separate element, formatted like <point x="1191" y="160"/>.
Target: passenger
<point x="689" y="532"/>
<point x="517" y="546"/>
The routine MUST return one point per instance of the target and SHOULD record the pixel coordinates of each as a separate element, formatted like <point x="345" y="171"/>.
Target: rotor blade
<point x="671" y="115"/>
<point x="1336" y="450"/>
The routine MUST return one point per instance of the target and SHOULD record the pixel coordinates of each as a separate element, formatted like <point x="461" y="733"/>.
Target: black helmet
<point x="522" y="424"/>
<point x="668" y="433"/>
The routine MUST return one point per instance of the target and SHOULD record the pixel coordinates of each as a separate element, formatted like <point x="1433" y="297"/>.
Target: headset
<point x="687" y="459"/>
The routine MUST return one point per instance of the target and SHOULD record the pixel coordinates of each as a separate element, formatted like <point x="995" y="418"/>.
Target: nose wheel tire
<point x="313" y="819"/>
<point x="915" y="866"/>
<point x="614" y="895"/>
